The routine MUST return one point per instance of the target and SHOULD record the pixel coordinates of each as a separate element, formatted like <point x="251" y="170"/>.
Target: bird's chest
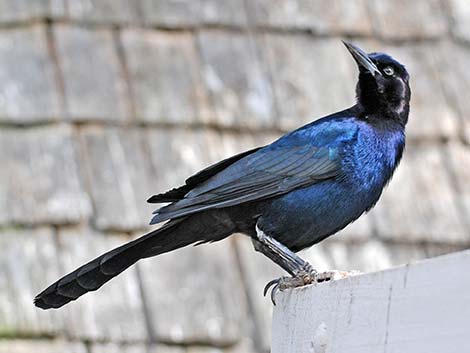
<point x="369" y="164"/>
<point x="323" y="208"/>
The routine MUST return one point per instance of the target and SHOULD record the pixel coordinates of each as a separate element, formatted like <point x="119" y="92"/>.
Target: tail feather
<point x="90" y="276"/>
<point x="173" y="235"/>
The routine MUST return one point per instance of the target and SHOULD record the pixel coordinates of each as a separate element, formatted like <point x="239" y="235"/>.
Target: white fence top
<point x="418" y="308"/>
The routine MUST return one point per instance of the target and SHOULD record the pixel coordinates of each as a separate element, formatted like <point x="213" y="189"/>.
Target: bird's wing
<point x="268" y="172"/>
<point x="178" y="193"/>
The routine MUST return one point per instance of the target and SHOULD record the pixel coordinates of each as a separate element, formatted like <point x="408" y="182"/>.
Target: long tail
<point x="91" y="276"/>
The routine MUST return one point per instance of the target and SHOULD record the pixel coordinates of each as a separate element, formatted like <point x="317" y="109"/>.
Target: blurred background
<point x="106" y="102"/>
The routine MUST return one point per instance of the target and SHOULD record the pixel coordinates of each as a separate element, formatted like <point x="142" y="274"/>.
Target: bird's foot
<point x="303" y="278"/>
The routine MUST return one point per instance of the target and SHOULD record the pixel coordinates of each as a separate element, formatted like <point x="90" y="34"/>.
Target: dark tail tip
<point x="50" y="299"/>
<point x="40" y="303"/>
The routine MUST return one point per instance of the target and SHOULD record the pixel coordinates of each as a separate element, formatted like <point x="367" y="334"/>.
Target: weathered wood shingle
<point x="104" y="11"/>
<point x="113" y="347"/>
<point x="371" y="255"/>
<point x="458" y="156"/>
<point x="361" y="229"/>
<point x="93" y="80"/>
<point x="41" y="346"/>
<point x="420" y="203"/>
<point x="244" y="347"/>
<point x="28" y="90"/>
<point x="194" y="295"/>
<point x="417" y="19"/>
<point x="189" y="13"/>
<point x="453" y="68"/>
<point x="337" y="16"/>
<point x="177" y="154"/>
<point x="120" y="177"/>
<point x="28" y="261"/>
<point x="223" y="12"/>
<point x="13" y="11"/>
<point x="239" y="88"/>
<point x="170" y="13"/>
<point x="460" y="13"/>
<point x="164" y="75"/>
<point x="39" y="178"/>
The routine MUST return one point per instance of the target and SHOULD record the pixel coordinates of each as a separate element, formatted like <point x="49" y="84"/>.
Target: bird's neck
<point x="389" y="105"/>
<point x="388" y="114"/>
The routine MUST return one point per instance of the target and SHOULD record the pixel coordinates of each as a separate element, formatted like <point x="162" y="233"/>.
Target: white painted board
<point x="418" y="308"/>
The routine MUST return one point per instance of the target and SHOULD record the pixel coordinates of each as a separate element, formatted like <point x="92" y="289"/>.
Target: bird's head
<point x="383" y="87"/>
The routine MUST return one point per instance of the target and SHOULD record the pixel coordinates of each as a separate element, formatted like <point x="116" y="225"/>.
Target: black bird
<point x="286" y="196"/>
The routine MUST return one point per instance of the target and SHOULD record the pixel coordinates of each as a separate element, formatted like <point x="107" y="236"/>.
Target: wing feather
<point x="266" y="173"/>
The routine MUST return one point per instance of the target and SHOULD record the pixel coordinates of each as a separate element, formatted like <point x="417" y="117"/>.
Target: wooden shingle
<point x="176" y="154"/>
<point x="189" y="13"/>
<point x="458" y="156"/>
<point x="337" y="16"/>
<point x="103" y="11"/>
<point x="93" y="81"/>
<point x="400" y="19"/>
<point x="460" y="12"/>
<point x="28" y="92"/>
<point x="244" y="347"/>
<point x="420" y="203"/>
<point x="164" y="76"/>
<point x="113" y="347"/>
<point x="194" y="295"/>
<point x="41" y="346"/>
<point x="39" y="180"/>
<point x="28" y="263"/>
<point x="12" y="11"/>
<point x="239" y="88"/>
<point x="120" y="176"/>
<point x="170" y="13"/>
<point x="371" y="255"/>
<point x="455" y="76"/>
<point x="361" y="229"/>
<point x="222" y="12"/>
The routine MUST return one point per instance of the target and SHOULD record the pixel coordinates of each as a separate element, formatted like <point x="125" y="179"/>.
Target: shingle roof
<point x="105" y="102"/>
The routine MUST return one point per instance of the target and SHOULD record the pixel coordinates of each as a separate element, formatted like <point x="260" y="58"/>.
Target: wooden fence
<point x="418" y="308"/>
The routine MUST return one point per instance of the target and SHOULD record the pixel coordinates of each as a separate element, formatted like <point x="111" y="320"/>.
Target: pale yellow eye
<point x="389" y="71"/>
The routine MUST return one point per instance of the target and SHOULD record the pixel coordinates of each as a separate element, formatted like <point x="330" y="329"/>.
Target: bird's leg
<point x="281" y="255"/>
<point x="301" y="271"/>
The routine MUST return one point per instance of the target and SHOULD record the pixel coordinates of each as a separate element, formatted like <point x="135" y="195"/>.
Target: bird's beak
<point x="362" y="59"/>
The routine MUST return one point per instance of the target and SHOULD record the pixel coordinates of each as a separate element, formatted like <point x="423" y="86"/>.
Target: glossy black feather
<point x="268" y="172"/>
<point x="178" y="193"/>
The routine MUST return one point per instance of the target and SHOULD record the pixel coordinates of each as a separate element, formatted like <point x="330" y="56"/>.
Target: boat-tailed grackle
<point x="286" y="196"/>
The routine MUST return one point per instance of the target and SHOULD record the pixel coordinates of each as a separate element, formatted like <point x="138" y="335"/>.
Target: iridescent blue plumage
<point x="367" y="155"/>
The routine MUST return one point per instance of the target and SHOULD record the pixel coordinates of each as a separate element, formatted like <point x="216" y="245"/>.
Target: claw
<point x="269" y="285"/>
<point x="307" y="276"/>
